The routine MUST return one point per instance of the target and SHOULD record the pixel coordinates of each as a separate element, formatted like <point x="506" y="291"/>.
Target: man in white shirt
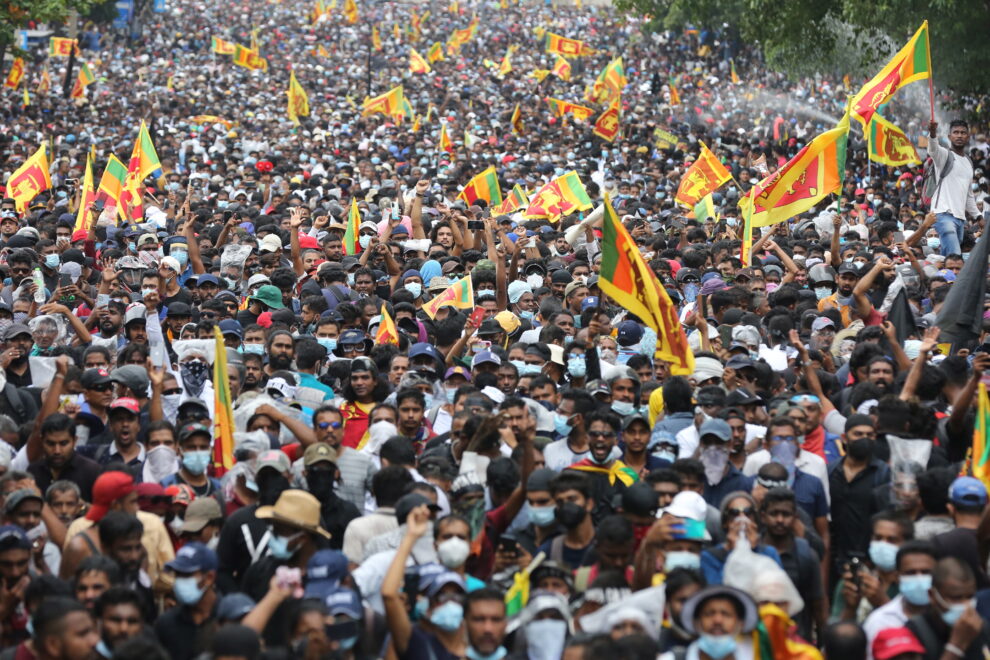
<point x="915" y="564"/>
<point x="953" y="199"/>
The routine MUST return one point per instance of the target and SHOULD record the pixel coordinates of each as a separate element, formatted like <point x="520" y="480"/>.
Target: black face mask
<point x="320" y="483"/>
<point x="270" y="486"/>
<point x="570" y="515"/>
<point x="861" y="449"/>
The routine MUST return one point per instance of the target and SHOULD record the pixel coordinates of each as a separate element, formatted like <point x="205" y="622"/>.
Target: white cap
<point x="270" y="243"/>
<point x="258" y="278"/>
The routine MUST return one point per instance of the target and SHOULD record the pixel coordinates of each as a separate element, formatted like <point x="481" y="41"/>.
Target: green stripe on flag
<point x="920" y="62"/>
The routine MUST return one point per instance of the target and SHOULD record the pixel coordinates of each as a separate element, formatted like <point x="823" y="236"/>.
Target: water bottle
<point x="39" y="283"/>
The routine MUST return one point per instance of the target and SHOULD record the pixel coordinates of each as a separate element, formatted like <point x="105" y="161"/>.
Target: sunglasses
<point x="748" y="511"/>
<point x="323" y="426"/>
<point x="174" y="390"/>
<point x="103" y="387"/>
<point x="601" y="434"/>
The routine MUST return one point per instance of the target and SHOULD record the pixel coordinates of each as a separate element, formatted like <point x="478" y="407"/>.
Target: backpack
<point x="930" y="186"/>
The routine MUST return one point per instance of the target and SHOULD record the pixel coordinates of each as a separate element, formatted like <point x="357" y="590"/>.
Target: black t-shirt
<point x="421" y="643"/>
<point x="245" y="317"/>
<point x="962" y="544"/>
<point x="181" y="636"/>
<point x="182" y="295"/>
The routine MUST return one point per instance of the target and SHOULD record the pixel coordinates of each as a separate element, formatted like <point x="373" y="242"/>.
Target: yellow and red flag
<point x="29" y="179"/>
<point x="811" y="175"/>
<point x="376" y="38"/>
<point x="889" y="145"/>
<point x="506" y="66"/>
<point x="61" y="47"/>
<point x="445" y="143"/>
<point x="516" y="120"/>
<point x="435" y="54"/>
<point x="610" y="81"/>
<point x="772" y="637"/>
<point x="979" y="457"/>
<point x="912" y="62"/>
<point x="15" y="74"/>
<point x="387" y="104"/>
<point x="387" y="334"/>
<point x="223" y="425"/>
<point x="298" y="101"/>
<point x="539" y="74"/>
<point x="706" y="175"/>
<point x="675" y="97"/>
<point x="460" y="294"/>
<point x="351" y="11"/>
<point x="351" y="240"/>
<point x="561" y="108"/>
<point x="516" y="200"/>
<point x="607" y="125"/>
<point x="112" y="182"/>
<point x="562" y="196"/>
<point x="144" y="162"/>
<point x="732" y="72"/>
<point x="83" y="80"/>
<point x="212" y="119"/>
<point x="417" y="63"/>
<point x="564" y="46"/>
<point x="482" y="186"/>
<point x="629" y="281"/>
<point x="322" y="51"/>
<point x="45" y="82"/>
<point x="562" y="69"/>
<point x="86" y="197"/>
<point x="464" y="35"/>
<point x="27" y="98"/>
<point x="222" y="47"/>
<point x="249" y="59"/>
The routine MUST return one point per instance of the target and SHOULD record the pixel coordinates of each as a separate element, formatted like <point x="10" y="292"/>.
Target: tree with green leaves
<point x="803" y="37"/>
<point x="15" y="15"/>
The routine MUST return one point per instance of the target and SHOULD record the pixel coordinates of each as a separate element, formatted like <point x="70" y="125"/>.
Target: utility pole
<point x="73" y="34"/>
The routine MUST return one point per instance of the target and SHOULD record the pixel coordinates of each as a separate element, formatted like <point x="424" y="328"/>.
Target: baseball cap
<point x="483" y="357"/>
<point x="717" y="427"/>
<point x="199" y="513"/>
<point x="442" y="580"/>
<point x="408" y="502"/>
<point x="191" y="429"/>
<point x="273" y="458"/>
<point x="234" y="606"/>
<point x="968" y="491"/>
<point x="231" y="327"/>
<point x="344" y="601"/>
<point x="125" y="403"/>
<point x="822" y="322"/>
<point x="107" y="489"/>
<point x="12" y="536"/>
<point x="319" y="452"/>
<point x="132" y="376"/>
<point x="14" y="499"/>
<point x="892" y="642"/>
<point x="135" y="312"/>
<point x="192" y="558"/>
<point x="94" y="377"/>
<point x="14" y="330"/>
<point x="457" y="371"/>
<point x="178" y="309"/>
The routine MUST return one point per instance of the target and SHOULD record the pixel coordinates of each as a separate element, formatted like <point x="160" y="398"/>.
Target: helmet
<point x="821" y="273"/>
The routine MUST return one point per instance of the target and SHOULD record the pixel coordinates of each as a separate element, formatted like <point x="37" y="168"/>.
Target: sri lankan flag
<point x="388" y="103"/>
<point x="45" y="82"/>
<point x="888" y="144"/>
<point x="705" y="209"/>
<point x="482" y="186"/>
<point x="706" y="175"/>
<point x="445" y="144"/>
<point x="562" y="196"/>
<point x="617" y="471"/>
<point x="607" y="125"/>
<point x="464" y="35"/>
<point x="516" y="200"/>
<point x="351" y="234"/>
<point x="15" y="74"/>
<point x="539" y="74"/>
<point x="112" y="182"/>
<point x="249" y="59"/>
<point x="506" y="66"/>
<point x="29" y="179"/>
<point x="979" y="458"/>
<point x="222" y="47"/>
<point x="435" y="54"/>
<point x="628" y="280"/>
<point x="732" y="72"/>
<point x="561" y="108"/>
<point x="298" y="101"/>
<point x="351" y="11"/>
<point x="811" y="175"/>
<point x="60" y="47"/>
<point x="223" y="425"/>
<point x="144" y="162"/>
<point x="87" y="196"/>
<point x="613" y="76"/>
<point x="387" y="334"/>
<point x="83" y="80"/>
<point x="516" y="120"/>
<point x="376" y="38"/>
<point x="564" y="46"/>
<point x="417" y="63"/>
<point x="912" y="62"/>
<point x="772" y="639"/>
<point x="460" y="294"/>
<point x="562" y="69"/>
<point x="675" y="97"/>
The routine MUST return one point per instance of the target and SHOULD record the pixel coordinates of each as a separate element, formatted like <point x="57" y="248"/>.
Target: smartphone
<point x="64" y="280"/>
<point x="395" y="210"/>
<point x="898" y="237"/>
<point x="477" y="316"/>
<point x="475" y="225"/>
<point x="98" y="206"/>
<point x="477" y="347"/>
<point x="507" y="544"/>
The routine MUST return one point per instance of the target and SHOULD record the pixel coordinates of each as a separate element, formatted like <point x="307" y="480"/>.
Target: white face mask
<point x="453" y="552"/>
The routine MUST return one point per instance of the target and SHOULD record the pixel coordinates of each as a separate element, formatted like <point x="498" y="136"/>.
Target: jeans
<point x="950" y="233"/>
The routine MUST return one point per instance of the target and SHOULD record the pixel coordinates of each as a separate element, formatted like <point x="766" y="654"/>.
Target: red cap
<point x="306" y="241"/>
<point x="108" y="488"/>
<point x="126" y="403"/>
<point x="79" y="235"/>
<point x="181" y="494"/>
<point x="150" y="489"/>
<point x="891" y="642"/>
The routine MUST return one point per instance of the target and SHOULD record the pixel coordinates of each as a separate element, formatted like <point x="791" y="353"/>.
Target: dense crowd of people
<point x="522" y="476"/>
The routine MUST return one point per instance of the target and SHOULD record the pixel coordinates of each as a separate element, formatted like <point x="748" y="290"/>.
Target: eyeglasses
<point x="323" y="426"/>
<point x="208" y="316"/>
<point x="748" y="511"/>
<point x="174" y="390"/>
<point x="601" y="434"/>
<point x="19" y="271"/>
<point x="352" y="348"/>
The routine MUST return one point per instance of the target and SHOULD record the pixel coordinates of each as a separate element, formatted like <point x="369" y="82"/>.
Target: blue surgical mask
<point x="915" y="588"/>
<point x="717" y="646"/>
<point x="681" y="559"/>
<point x="568" y="340"/>
<point x="883" y="555"/>
<point x="690" y="292"/>
<point x="187" y="590"/>
<point x="278" y="546"/>
<point x="448" y="616"/>
<point x="577" y="367"/>
<point x="181" y="256"/>
<point x="934" y="242"/>
<point x="428" y="400"/>
<point x="530" y="370"/>
<point x="951" y="615"/>
<point x="222" y="203"/>
<point x="561" y="426"/>
<point x="257" y="349"/>
<point x="414" y="288"/>
<point x="519" y="365"/>
<point x="52" y="260"/>
<point x="196" y="461"/>
<point x="325" y="342"/>
<point x="347" y="643"/>
<point x="526" y="314"/>
<point x="364" y="240"/>
<point x="623" y="408"/>
<point x="450" y="392"/>
<point x="542" y="516"/>
<point x="822" y="292"/>
<point x="497" y="654"/>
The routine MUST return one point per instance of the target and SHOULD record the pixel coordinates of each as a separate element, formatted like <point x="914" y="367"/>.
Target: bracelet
<point x="955" y="650"/>
<point x="58" y="376"/>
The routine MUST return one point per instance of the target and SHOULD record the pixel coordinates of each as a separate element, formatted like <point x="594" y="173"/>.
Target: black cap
<point x="179" y="309"/>
<point x="410" y="501"/>
<point x="93" y="377"/>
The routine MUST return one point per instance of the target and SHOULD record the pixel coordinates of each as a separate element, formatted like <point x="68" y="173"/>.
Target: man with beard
<point x="59" y="460"/>
<point x="136" y="324"/>
<point x="321" y="473"/>
<point x="243" y="537"/>
<point x="280" y="350"/>
<point x="355" y="468"/>
<point x="120" y="540"/>
<point x="842" y="299"/>
<point x="118" y="610"/>
<point x="17" y="345"/>
<point x="109" y="321"/>
<point x="608" y="475"/>
<point x="880" y="372"/>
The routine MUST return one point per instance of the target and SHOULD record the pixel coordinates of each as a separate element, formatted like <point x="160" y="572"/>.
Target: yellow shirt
<point x="155" y="539"/>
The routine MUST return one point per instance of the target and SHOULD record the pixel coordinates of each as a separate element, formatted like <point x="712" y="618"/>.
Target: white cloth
<point x="361" y="530"/>
<point x="886" y="616"/>
<point x="370" y="574"/>
<point x="806" y="461"/>
<point x="955" y="196"/>
<point x="688" y="438"/>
